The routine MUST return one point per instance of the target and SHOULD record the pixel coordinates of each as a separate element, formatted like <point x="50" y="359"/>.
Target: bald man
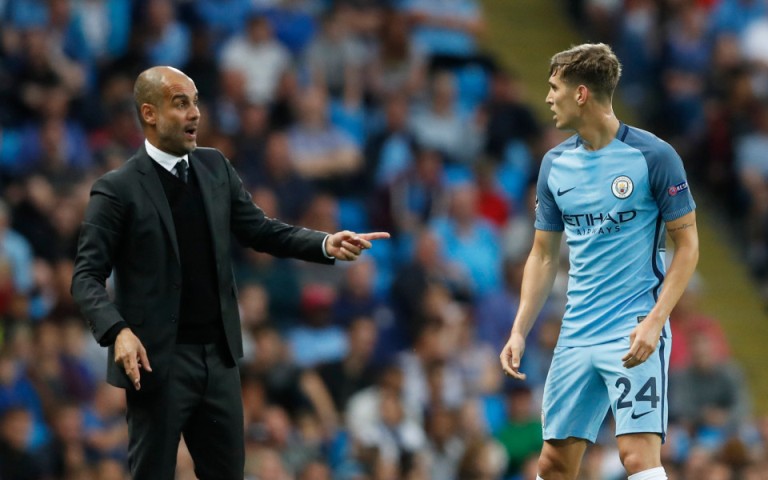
<point x="161" y="225"/>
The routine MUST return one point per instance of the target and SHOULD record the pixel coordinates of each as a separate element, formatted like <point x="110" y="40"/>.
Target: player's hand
<point x="346" y="245"/>
<point x="642" y="342"/>
<point x="511" y="355"/>
<point x="131" y="355"/>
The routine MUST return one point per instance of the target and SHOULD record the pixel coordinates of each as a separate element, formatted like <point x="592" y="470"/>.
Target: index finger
<point x="511" y="366"/>
<point x="631" y="359"/>
<point x="633" y="348"/>
<point x="629" y="354"/>
<point x="516" y="374"/>
<point x="373" y="235"/>
<point x="132" y="369"/>
<point x="144" y="359"/>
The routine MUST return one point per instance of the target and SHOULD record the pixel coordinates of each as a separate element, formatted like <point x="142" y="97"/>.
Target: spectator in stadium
<point x="445" y="446"/>
<point x="294" y="23"/>
<point x="362" y="413"/>
<point x="107" y="28"/>
<point x="709" y="397"/>
<point x="521" y="433"/>
<point x="104" y="428"/>
<point x="16" y="459"/>
<point x="688" y="322"/>
<point x="32" y="216"/>
<point x="483" y="459"/>
<point x="226" y="105"/>
<point x="358" y="297"/>
<point x="399" y="67"/>
<point x="316" y="338"/>
<point x="315" y="470"/>
<point x="472" y="240"/>
<point x="167" y="39"/>
<point x="398" y="440"/>
<point x="202" y="64"/>
<point x="752" y="170"/>
<point x="282" y="434"/>
<point x="223" y="18"/>
<point x="117" y="137"/>
<point x="283" y="382"/>
<point x="686" y="61"/>
<point x="446" y="29"/>
<point x="428" y="267"/>
<point x="250" y="140"/>
<point x="510" y="118"/>
<point x="389" y="150"/>
<point x="16" y="253"/>
<point x="294" y="193"/>
<point x="278" y="279"/>
<point x="440" y="125"/>
<point x="496" y="309"/>
<point x="163" y="222"/>
<point x="66" y="453"/>
<point x="17" y="389"/>
<point x="261" y="59"/>
<point x="415" y="196"/>
<point x="55" y="146"/>
<point x="335" y="59"/>
<point x="48" y="375"/>
<point x="733" y="16"/>
<point x="609" y="187"/>
<point x="356" y="371"/>
<point x="67" y="31"/>
<point x="321" y="152"/>
<point x="431" y="376"/>
<point x="39" y="71"/>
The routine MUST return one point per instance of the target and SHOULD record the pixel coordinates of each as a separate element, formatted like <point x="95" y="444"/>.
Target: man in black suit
<point x="162" y="222"/>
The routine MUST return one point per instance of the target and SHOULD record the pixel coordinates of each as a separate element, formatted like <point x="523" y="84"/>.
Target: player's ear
<point x="582" y="94"/>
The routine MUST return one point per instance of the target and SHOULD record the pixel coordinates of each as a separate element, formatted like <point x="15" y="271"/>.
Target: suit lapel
<point x="208" y="189"/>
<point x="151" y="184"/>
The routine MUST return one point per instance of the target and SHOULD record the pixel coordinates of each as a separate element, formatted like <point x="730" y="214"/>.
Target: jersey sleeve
<point x="548" y="214"/>
<point x="669" y="183"/>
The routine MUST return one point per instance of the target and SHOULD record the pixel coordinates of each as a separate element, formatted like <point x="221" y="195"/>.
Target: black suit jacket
<point x="128" y="229"/>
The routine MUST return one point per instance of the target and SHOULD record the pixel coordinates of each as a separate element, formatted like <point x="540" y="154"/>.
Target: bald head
<point x="167" y="103"/>
<point x="149" y="86"/>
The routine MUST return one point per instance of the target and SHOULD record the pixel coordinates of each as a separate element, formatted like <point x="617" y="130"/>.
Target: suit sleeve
<point x="97" y="246"/>
<point x="254" y="229"/>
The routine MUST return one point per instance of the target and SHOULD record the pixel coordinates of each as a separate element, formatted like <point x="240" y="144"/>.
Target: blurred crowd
<point x="359" y="114"/>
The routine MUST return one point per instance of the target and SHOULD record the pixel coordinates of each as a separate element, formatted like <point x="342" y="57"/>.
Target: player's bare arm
<point x="644" y="338"/>
<point x="538" y="278"/>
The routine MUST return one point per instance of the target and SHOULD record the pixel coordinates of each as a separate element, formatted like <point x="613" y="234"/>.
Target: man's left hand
<point x="346" y="245"/>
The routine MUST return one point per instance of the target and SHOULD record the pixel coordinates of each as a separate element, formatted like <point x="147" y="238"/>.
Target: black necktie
<point x="182" y="170"/>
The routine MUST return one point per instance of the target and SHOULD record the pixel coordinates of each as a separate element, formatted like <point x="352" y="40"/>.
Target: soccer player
<point x="616" y="191"/>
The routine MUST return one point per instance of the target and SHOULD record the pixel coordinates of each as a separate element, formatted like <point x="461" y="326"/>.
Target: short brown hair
<point x="591" y="64"/>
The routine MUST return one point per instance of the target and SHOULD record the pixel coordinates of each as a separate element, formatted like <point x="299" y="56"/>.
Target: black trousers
<point x="202" y="401"/>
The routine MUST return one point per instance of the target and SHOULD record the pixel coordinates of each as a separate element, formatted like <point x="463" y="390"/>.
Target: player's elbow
<point x="691" y="251"/>
<point x="688" y="249"/>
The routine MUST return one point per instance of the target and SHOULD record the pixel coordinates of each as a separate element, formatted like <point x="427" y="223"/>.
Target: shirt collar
<point x="166" y="160"/>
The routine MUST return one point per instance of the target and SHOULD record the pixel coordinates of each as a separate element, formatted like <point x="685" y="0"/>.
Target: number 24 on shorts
<point x="647" y="393"/>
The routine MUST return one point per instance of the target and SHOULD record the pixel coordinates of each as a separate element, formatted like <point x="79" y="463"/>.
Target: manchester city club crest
<point x="622" y="187"/>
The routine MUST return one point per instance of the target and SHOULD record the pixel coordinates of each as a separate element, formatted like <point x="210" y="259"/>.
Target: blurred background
<point x="424" y="118"/>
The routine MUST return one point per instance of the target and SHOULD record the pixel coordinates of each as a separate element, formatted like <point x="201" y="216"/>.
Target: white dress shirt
<point x="166" y="160"/>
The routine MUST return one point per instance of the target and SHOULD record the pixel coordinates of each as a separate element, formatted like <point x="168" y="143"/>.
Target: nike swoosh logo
<point x="636" y="416"/>
<point x="560" y="193"/>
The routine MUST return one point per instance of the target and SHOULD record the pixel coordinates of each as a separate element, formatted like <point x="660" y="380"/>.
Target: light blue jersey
<point x="612" y="204"/>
